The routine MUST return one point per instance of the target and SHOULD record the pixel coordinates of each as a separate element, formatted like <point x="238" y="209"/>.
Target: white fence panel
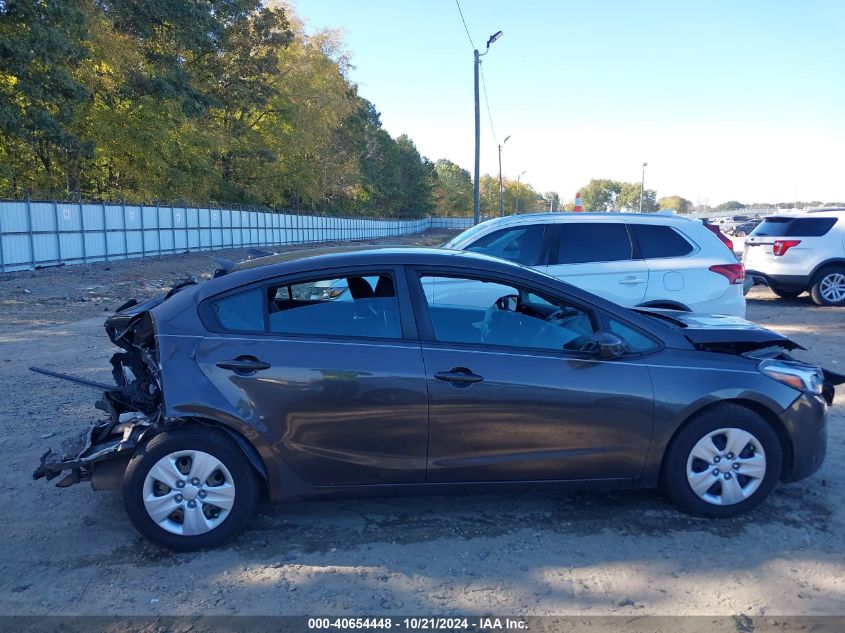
<point x="35" y="234"/>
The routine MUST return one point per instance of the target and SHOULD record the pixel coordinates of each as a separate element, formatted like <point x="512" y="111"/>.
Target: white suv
<point x="633" y="259"/>
<point x="794" y="252"/>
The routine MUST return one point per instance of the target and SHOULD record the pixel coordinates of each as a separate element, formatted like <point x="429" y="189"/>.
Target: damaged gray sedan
<point x="404" y="371"/>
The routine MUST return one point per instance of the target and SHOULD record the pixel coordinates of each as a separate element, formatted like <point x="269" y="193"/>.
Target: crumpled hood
<point x="721" y="333"/>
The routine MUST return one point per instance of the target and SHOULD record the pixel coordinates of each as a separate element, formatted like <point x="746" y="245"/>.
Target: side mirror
<point x="609" y="345"/>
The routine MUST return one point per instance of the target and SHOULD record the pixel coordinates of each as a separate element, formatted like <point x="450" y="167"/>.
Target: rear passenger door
<point x="328" y="369"/>
<point x="600" y="258"/>
<point x="673" y="273"/>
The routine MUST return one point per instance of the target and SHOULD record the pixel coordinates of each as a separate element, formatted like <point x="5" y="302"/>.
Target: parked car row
<point x="744" y="228"/>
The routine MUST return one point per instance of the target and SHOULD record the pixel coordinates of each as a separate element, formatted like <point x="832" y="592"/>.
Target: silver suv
<point x="794" y="252"/>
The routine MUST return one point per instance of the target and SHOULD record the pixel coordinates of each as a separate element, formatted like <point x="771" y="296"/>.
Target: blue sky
<point x="725" y="100"/>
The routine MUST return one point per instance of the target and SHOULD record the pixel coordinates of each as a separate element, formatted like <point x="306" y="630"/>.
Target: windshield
<point x="463" y="236"/>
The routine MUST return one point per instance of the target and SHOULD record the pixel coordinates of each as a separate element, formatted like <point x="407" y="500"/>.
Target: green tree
<point x="600" y="194"/>
<point x="629" y="198"/>
<point x="452" y="189"/>
<point x="41" y="50"/>
<point x="416" y="179"/>
<point x="679" y="204"/>
<point x="730" y="205"/>
<point x="231" y="101"/>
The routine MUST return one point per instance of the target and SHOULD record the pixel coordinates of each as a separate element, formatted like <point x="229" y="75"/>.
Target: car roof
<point x="321" y="258"/>
<point x="833" y="212"/>
<point x="592" y="216"/>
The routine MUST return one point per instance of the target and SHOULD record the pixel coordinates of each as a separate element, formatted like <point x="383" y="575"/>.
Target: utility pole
<point x="518" y="178"/>
<point x="501" y="186"/>
<point x="476" y="195"/>
<point x="642" y="187"/>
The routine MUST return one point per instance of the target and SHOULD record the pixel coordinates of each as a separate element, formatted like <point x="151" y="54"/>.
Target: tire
<point x="786" y="294"/>
<point x="229" y="479"/>
<point x="828" y="287"/>
<point x="744" y="490"/>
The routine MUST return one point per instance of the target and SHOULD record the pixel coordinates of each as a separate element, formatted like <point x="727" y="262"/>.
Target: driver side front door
<point x="512" y="399"/>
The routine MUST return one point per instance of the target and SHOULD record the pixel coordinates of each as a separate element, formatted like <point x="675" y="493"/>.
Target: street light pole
<point x="501" y="186"/>
<point x="518" y="178"/>
<point x="642" y="187"/>
<point x="476" y="194"/>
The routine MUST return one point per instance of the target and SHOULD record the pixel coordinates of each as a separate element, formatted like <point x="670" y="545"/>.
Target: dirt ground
<point x="73" y="551"/>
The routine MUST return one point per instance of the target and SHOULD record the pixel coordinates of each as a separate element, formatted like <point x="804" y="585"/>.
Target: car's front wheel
<point x="828" y="288"/>
<point x="722" y="463"/>
<point x="190" y="489"/>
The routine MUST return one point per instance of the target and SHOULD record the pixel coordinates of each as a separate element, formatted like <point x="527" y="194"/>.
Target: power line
<point x="465" y="24"/>
<point x="487" y="102"/>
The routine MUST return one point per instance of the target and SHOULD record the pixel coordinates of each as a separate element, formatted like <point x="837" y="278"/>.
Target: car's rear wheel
<point x="722" y="463"/>
<point x="828" y="287"/>
<point x="190" y="489"/>
<point x="786" y="294"/>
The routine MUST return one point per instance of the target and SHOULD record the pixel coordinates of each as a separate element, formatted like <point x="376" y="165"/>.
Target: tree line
<point x="602" y="194"/>
<point x="198" y="101"/>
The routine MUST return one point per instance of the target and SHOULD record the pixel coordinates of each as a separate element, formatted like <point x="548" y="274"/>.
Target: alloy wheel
<point x="832" y="287"/>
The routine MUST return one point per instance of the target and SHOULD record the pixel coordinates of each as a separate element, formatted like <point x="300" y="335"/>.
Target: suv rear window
<point x="581" y="242"/>
<point x="779" y="226"/>
<point x="660" y="241"/>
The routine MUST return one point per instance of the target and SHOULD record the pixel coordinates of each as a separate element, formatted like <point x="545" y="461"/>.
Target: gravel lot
<point x="74" y="552"/>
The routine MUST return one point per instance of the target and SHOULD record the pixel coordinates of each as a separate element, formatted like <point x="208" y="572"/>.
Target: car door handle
<point x="244" y="365"/>
<point x="459" y="377"/>
<point x="632" y="281"/>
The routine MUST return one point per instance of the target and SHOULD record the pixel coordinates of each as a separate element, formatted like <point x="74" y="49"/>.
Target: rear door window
<point x="780" y="226"/>
<point x="521" y="244"/>
<point x="355" y="305"/>
<point x="360" y="306"/>
<point x="581" y="242"/>
<point x="657" y="241"/>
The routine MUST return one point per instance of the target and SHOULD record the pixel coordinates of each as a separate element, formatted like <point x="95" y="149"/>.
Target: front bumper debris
<point x="103" y="440"/>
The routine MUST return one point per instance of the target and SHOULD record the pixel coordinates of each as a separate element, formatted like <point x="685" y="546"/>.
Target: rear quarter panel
<point x="688" y="279"/>
<point x="187" y="392"/>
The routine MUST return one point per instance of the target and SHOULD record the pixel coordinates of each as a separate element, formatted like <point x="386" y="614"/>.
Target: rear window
<point x="779" y="226"/>
<point x="657" y="241"/>
<point x="592" y="242"/>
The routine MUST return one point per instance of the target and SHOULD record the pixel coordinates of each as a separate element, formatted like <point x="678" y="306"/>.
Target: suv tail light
<point x="734" y="272"/>
<point x="781" y="246"/>
<point x="725" y="239"/>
